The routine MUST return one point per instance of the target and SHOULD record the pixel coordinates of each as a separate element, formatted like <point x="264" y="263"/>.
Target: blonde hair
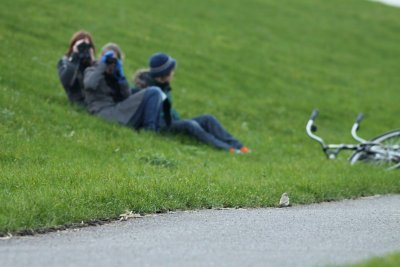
<point x="138" y="79"/>
<point x="114" y="47"/>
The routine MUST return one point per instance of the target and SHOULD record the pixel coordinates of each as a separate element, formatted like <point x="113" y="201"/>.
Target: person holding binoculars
<point x="71" y="67"/>
<point x="107" y="93"/>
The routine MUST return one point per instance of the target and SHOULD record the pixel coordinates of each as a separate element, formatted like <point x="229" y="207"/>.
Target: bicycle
<point x="382" y="150"/>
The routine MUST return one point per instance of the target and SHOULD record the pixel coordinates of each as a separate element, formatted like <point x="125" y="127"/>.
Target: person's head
<point x="117" y="54"/>
<point x="80" y="36"/>
<point x="112" y="47"/>
<point x="138" y="78"/>
<point x="162" y="67"/>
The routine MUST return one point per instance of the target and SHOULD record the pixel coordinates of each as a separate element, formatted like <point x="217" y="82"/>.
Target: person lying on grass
<point x="108" y="95"/>
<point x="72" y="65"/>
<point x="205" y="128"/>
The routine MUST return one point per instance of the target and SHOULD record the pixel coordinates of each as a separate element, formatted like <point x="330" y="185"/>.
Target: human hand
<point x="118" y="68"/>
<point x="77" y="43"/>
<point x="109" y="58"/>
<point x="119" y="71"/>
<point x="83" y="50"/>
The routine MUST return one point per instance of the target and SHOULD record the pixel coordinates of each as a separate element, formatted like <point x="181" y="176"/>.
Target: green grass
<point x="259" y="66"/>
<point x="390" y="260"/>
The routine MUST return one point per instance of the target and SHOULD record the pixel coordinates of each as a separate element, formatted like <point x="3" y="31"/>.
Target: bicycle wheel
<point x="386" y="152"/>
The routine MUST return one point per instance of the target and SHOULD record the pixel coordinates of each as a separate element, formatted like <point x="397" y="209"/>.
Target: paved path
<point x="313" y="235"/>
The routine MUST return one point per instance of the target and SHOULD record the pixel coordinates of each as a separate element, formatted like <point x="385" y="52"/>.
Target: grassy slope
<point x="259" y="66"/>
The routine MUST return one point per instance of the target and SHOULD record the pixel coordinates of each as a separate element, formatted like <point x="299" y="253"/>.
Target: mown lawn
<point x="259" y="66"/>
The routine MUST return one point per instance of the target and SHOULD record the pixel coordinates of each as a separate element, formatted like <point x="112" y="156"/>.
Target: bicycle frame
<point x="332" y="150"/>
<point x="379" y="151"/>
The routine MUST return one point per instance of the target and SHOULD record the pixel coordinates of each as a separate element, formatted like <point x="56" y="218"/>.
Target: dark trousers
<point x="206" y="129"/>
<point x="148" y="114"/>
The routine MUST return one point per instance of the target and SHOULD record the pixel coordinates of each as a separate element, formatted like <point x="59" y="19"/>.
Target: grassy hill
<point x="259" y="66"/>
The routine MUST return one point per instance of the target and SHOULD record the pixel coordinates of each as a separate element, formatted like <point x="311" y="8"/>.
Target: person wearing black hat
<point x="108" y="95"/>
<point x="205" y="128"/>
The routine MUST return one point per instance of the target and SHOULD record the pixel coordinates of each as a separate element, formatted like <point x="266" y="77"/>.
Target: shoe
<point x="243" y="150"/>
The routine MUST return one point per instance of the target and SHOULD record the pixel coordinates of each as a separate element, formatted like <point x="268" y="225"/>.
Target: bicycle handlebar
<point x="331" y="150"/>
<point x="314" y="114"/>
<point x="355" y="128"/>
<point x="360" y="117"/>
<point x="310" y="128"/>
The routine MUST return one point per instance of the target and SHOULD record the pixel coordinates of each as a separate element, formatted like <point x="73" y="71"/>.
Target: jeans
<point x="206" y="129"/>
<point x="148" y="114"/>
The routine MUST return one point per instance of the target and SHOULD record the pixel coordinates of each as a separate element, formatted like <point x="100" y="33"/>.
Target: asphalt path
<point x="313" y="235"/>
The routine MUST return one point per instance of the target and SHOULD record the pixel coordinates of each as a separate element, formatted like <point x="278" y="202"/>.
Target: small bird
<point x="284" y="201"/>
<point x="7" y="236"/>
<point x="128" y="214"/>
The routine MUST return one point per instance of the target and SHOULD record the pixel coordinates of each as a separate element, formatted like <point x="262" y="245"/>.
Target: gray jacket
<point x="71" y="77"/>
<point x="109" y="99"/>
